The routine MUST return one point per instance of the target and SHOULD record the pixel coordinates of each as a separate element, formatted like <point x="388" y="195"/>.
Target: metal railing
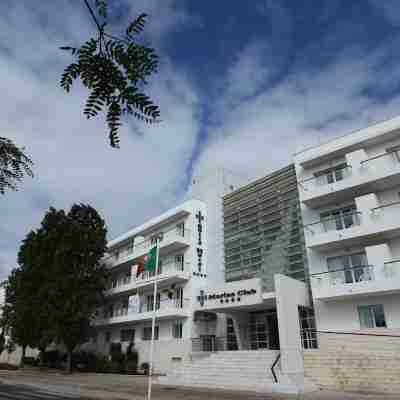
<point x="393" y="153"/>
<point x="212" y="343"/>
<point x="391" y="268"/>
<point x="146" y="244"/>
<point x="325" y="178"/>
<point x="355" y="274"/>
<point x="165" y="269"/>
<point x="336" y="223"/>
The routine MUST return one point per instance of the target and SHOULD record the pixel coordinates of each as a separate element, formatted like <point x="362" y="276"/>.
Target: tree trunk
<point x="69" y="361"/>
<point x="22" y="362"/>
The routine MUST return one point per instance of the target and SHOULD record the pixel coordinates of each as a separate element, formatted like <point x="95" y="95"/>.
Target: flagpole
<point x="153" y="325"/>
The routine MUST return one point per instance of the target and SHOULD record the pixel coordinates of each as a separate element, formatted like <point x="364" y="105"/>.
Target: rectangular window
<point x="127" y="335"/>
<point x="372" y="316"/>
<point x="177" y="330"/>
<point x="147" y="333"/>
<point x="331" y="175"/>
<point x="179" y="262"/>
<point x="341" y="218"/>
<point x="349" y="268"/>
<point x="150" y="300"/>
<point x="129" y="249"/>
<point x="180" y="229"/>
<point x="108" y="337"/>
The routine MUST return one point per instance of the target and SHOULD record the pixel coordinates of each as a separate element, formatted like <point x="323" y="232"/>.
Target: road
<point x="24" y="392"/>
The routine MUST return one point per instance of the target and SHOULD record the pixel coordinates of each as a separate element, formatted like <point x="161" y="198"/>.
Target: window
<point x="180" y="229"/>
<point x="372" y="316"/>
<point x="331" y="175"/>
<point x="153" y="239"/>
<point x="177" y="330"/>
<point x="127" y="335"/>
<point x="150" y="301"/>
<point x="341" y="218"/>
<point x="108" y="337"/>
<point x="179" y="262"/>
<point x="126" y="278"/>
<point x="179" y="297"/>
<point x="147" y="333"/>
<point x="349" y="268"/>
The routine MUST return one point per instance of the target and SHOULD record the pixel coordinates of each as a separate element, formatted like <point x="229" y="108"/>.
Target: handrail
<point x="333" y="218"/>
<point x="273" y="367"/>
<point x="324" y="172"/>
<point x="378" y="156"/>
<point x="344" y="269"/>
<point x="144" y="241"/>
<point x="391" y="262"/>
<point x="385" y="205"/>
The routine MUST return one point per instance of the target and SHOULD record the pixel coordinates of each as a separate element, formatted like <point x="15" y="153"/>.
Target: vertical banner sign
<point x="200" y="219"/>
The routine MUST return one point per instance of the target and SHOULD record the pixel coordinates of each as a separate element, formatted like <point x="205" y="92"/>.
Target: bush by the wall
<point x="116" y="352"/>
<point x="145" y="367"/>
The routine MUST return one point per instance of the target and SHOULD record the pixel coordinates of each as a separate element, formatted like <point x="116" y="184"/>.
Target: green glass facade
<point x="263" y="232"/>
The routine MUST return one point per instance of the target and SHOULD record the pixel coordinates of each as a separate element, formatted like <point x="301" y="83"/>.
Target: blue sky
<point x="242" y="85"/>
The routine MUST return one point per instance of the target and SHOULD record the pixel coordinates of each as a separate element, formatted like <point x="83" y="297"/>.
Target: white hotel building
<point x="350" y="201"/>
<point x="127" y="313"/>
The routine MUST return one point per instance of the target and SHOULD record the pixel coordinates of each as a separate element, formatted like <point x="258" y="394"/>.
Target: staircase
<point x="235" y="370"/>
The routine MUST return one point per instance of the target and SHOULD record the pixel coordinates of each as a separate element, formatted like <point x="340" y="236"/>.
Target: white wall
<point x="342" y="315"/>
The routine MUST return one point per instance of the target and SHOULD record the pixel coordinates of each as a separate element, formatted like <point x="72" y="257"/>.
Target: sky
<point x="242" y="85"/>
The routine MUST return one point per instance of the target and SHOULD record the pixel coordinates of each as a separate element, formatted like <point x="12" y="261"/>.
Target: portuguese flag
<point x="147" y="262"/>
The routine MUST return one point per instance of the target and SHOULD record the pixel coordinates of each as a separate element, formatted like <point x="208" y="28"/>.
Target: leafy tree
<point x="14" y="164"/>
<point x="115" y="70"/>
<point x="75" y="244"/>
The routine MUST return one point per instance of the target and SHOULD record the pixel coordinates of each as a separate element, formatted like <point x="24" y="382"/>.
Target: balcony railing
<point x="165" y="270"/>
<point x="144" y="245"/>
<point x="353" y="275"/>
<point x="325" y="179"/>
<point x="392" y="269"/>
<point x="163" y="305"/>
<point x="387" y="159"/>
<point x="336" y="223"/>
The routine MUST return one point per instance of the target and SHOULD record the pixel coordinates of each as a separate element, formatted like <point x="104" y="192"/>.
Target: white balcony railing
<point x="143" y="246"/>
<point x="391" y="269"/>
<point x="165" y="270"/>
<point x="346" y="276"/>
<point x="336" y="223"/>
<point x="327" y="179"/>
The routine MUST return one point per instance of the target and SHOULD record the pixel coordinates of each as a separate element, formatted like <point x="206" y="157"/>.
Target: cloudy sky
<point x="242" y="85"/>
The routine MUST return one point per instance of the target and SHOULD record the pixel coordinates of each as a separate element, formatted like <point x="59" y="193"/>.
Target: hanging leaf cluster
<point x="14" y="164"/>
<point x="115" y="70"/>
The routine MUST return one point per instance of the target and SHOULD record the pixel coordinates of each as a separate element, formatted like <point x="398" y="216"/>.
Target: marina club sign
<point x="225" y="297"/>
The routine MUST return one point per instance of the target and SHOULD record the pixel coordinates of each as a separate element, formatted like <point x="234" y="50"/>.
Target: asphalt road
<point x="22" y="392"/>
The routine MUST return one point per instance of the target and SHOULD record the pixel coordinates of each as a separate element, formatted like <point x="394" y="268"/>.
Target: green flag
<point x="150" y="263"/>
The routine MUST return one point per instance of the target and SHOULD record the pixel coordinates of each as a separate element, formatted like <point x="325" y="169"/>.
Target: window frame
<point x="372" y="311"/>
<point x="177" y="329"/>
<point x="147" y="329"/>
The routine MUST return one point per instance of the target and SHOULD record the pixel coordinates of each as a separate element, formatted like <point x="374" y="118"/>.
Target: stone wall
<point x="352" y="362"/>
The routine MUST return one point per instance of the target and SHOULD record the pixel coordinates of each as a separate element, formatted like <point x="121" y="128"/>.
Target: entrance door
<point x="258" y="331"/>
<point x="273" y="331"/>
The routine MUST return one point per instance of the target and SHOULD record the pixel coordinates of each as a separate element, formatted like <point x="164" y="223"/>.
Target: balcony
<point x="331" y="233"/>
<point x="357" y="281"/>
<point x="173" y="240"/>
<point x="370" y="175"/>
<point x="167" y="310"/>
<point x="168" y="273"/>
<point x="374" y="225"/>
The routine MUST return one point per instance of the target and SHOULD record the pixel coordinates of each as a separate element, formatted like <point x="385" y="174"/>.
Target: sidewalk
<point x="121" y="387"/>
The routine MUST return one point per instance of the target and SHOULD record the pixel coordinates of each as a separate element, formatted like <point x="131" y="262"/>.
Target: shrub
<point x="115" y="367"/>
<point x="32" y="361"/>
<point x="116" y="352"/>
<point x="102" y="364"/>
<point x="131" y="367"/>
<point x="8" y="367"/>
<point x="53" y="359"/>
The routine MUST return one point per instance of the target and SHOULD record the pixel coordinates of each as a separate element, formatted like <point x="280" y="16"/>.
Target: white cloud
<point x="73" y="160"/>
<point x="260" y="133"/>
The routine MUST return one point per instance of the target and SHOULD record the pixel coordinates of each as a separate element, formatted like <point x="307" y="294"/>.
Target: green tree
<point x="14" y="164"/>
<point x="75" y="244"/>
<point x="115" y="70"/>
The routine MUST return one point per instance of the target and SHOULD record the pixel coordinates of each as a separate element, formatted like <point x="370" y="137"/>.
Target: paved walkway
<point x="33" y="384"/>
